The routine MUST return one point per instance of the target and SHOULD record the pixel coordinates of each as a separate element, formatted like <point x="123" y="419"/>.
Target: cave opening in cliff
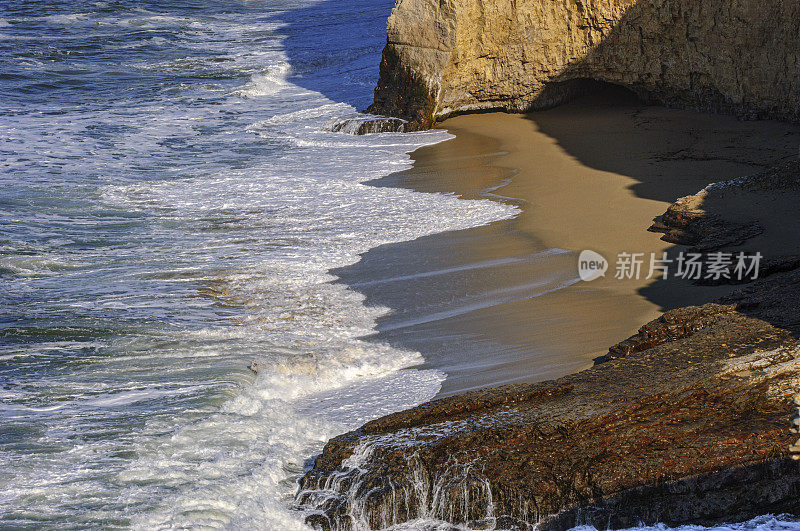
<point x="555" y="94"/>
<point x="613" y="92"/>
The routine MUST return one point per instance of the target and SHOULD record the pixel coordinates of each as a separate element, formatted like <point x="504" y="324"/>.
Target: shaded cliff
<point x="446" y="56"/>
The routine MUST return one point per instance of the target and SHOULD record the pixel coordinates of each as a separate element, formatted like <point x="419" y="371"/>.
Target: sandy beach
<point x="503" y="303"/>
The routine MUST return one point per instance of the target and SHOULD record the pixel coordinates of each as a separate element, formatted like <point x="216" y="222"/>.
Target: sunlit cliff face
<point x="450" y="57"/>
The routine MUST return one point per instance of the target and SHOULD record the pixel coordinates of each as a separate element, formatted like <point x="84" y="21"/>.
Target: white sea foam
<point x="319" y="379"/>
<point x="762" y="523"/>
<point x="266" y="83"/>
<point x="68" y="19"/>
<point x="35" y="265"/>
<point x="262" y="238"/>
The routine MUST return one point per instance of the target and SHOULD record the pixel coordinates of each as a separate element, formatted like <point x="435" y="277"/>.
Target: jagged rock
<point x="705" y="221"/>
<point x="694" y="430"/>
<point x="673" y="325"/>
<point x="696" y="228"/>
<point x="451" y="56"/>
<point x="368" y="126"/>
<point x="688" y="222"/>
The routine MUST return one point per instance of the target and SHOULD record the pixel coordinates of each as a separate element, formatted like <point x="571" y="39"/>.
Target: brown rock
<point x="447" y="56"/>
<point x="673" y="325"/>
<point x="679" y="433"/>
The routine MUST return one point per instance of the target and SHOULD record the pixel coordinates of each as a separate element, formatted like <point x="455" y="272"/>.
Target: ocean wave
<point x="266" y="83"/>
<point x="202" y="220"/>
<point x="35" y="265"/>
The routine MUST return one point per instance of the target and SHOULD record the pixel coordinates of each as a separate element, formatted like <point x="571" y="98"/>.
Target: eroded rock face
<point x="449" y="56"/>
<point x="694" y="430"/>
<point x="673" y="325"/>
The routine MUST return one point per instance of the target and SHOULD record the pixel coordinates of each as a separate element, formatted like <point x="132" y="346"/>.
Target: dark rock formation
<point x="368" y="125"/>
<point x="694" y="430"/>
<point x="775" y="298"/>
<point x="731" y="213"/>
<point x="685" y="225"/>
<point x="673" y="325"/>
<point x="402" y="92"/>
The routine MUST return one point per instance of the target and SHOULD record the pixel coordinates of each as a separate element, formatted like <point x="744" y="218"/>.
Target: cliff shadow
<point x="666" y="124"/>
<point x="683" y="132"/>
<point x="670" y="153"/>
<point x="352" y="35"/>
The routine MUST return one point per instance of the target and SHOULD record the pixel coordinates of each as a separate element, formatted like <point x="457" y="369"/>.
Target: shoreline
<point x="502" y="304"/>
<point x="692" y="420"/>
<point x="688" y="421"/>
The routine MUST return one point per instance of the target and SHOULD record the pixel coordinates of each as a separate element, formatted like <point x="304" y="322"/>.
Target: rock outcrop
<point x="695" y="430"/>
<point x="450" y="56"/>
<point x="367" y="125"/>
<point x="728" y="213"/>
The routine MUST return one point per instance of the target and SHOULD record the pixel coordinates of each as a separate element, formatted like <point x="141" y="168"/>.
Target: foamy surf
<point x="198" y="207"/>
<point x="315" y="378"/>
<point x="266" y="83"/>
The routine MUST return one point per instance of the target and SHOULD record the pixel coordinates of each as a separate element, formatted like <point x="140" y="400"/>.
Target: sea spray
<point x="385" y="483"/>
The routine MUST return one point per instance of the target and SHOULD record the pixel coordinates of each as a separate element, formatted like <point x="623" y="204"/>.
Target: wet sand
<point x="503" y="303"/>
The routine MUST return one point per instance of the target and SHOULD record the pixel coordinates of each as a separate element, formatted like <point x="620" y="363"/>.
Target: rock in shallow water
<point x="367" y="126"/>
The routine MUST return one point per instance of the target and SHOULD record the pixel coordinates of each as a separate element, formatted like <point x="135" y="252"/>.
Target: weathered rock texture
<point x="730" y="213"/>
<point x="450" y="56"/>
<point x="695" y="430"/>
<point x="367" y="125"/>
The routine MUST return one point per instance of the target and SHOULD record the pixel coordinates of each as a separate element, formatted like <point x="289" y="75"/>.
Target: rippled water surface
<point x="169" y="208"/>
<point x="170" y="205"/>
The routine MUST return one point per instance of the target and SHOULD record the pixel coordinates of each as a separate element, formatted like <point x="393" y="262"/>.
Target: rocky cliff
<point x="450" y="56"/>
